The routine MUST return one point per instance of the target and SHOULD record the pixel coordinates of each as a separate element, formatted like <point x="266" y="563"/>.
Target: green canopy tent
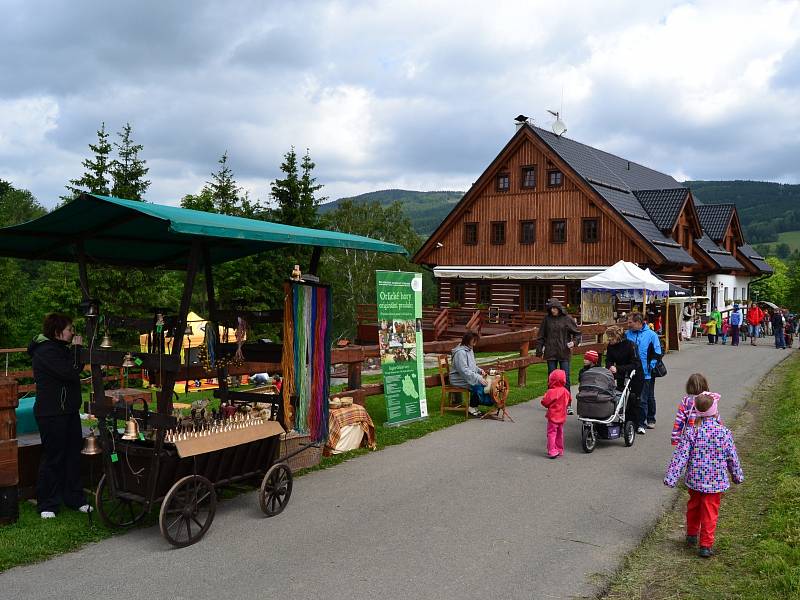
<point x="103" y="230"/>
<point x="121" y="232"/>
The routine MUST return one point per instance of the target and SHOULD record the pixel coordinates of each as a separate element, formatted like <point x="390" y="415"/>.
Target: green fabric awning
<point x="125" y="232"/>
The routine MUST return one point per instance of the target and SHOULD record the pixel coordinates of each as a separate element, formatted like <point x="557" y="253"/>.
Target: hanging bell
<point x="127" y="361"/>
<point x="188" y="330"/>
<point x="90" y="445"/>
<point x="131" y="430"/>
<point x="106" y="342"/>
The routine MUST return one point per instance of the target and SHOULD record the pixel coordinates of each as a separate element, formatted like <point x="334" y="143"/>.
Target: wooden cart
<point x="180" y="474"/>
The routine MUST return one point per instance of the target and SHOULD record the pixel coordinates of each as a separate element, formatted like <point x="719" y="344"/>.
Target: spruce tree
<point x="96" y="175"/>
<point x="224" y="190"/>
<point x="128" y="170"/>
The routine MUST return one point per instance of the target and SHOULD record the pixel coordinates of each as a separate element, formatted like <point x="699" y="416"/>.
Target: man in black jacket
<point x="55" y="356"/>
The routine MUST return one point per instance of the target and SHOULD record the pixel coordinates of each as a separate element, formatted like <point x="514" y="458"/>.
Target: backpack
<point x="597" y="394"/>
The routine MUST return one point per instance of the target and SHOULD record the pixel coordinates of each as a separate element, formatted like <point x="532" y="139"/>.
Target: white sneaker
<point x="46" y="514"/>
<point x="86" y="508"/>
<point x="474" y="411"/>
<point x="641" y="430"/>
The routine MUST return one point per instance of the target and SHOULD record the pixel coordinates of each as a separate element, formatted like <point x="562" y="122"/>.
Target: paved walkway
<point x="474" y="511"/>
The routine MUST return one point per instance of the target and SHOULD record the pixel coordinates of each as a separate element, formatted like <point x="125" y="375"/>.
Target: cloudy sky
<point x="415" y="94"/>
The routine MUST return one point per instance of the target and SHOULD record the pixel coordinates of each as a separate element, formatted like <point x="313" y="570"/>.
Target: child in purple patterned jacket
<point x="708" y="453"/>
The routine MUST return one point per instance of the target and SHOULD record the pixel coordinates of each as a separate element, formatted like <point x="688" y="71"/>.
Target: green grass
<point x="33" y="539"/>
<point x="758" y="536"/>
<point x="790" y="238"/>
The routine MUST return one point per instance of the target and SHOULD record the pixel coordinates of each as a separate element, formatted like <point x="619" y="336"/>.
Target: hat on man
<point x="592" y="356"/>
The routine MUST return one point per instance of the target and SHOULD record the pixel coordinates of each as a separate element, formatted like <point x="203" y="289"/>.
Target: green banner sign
<point x="400" y="341"/>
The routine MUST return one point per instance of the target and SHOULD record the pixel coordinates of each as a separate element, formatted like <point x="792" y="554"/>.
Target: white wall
<point x="734" y="285"/>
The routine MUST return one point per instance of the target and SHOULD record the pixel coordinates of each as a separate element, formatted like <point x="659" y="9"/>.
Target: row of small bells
<point x="238" y="421"/>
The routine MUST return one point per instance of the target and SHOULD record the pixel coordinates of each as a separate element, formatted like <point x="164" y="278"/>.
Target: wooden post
<point x="522" y="372"/>
<point x="354" y="375"/>
<point x="9" y="468"/>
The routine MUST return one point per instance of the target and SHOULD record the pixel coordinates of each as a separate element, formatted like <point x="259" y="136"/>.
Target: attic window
<point x="591" y="230"/>
<point x="558" y="231"/>
<point x="554" y="179"/>
<point x="498" y="232"/>
<point x="528" y="178"/>
<point x="470" y="234"/>
<point x="503" y="182"/>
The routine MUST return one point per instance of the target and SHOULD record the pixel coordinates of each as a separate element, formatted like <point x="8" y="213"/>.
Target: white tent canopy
<point x="626" y="277"/>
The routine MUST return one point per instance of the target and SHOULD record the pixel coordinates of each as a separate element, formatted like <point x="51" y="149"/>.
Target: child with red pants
<point x="555" y="401"/>
<point x="708" y="453"/>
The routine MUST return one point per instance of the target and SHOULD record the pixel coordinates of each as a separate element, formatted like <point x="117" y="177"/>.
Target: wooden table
<point x="129" y="396"/>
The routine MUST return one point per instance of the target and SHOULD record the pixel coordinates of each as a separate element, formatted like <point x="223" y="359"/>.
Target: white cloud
<point x="418" y="95"/>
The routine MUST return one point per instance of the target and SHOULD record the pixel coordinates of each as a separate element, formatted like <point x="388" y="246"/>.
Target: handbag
<point x="660" y="370"/>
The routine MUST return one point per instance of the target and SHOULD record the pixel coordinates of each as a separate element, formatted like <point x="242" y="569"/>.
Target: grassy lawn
<point x="758" y="536"/>
<point x="790" y="238"/>
<point x="32" y="539"/>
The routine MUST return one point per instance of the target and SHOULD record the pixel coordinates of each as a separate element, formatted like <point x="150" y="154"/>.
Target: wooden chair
<point x="447" y="389"/>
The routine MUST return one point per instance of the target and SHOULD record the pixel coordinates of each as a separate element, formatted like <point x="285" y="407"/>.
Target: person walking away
<point x="643" y="338"/>
<point x="708" y="453"/>
<point x="711" y="329"/>
<point x="555" y="400"/>
<point x="621" y="360"/>
<point x="735" y="323"/>
<point x="55" y="356"/>
<point x="754" y="317"/>
<point x="464" y="372"/>
<point x="687" y="315"/>
<point x="777" y="329"/>
<point x="685" y="416"/>
<point x="558" y="333"/>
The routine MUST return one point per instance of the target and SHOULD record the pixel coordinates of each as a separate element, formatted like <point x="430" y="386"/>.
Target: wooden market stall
<point x="159" y="458"/>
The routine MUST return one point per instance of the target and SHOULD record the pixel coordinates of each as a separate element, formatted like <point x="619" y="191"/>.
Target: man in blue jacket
<point x="643" y="337"/>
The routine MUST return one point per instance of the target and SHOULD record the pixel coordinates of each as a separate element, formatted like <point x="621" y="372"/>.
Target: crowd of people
<point x="740" y="323"/>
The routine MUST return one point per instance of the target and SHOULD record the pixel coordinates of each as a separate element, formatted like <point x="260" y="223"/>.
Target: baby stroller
<point x="601" y="408"/>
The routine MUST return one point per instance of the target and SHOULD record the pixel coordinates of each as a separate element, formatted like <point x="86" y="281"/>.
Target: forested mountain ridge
<point x="765" y="208"/>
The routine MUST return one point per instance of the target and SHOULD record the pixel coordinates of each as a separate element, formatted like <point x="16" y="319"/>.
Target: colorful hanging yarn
<point x="306" y="356"/>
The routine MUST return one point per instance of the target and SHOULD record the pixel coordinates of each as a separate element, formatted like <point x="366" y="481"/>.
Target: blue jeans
<point x="780" y="341"/>
<point x="754" y="333"/>
<point x="552" y="365"/>
<point x="647" y="402"/>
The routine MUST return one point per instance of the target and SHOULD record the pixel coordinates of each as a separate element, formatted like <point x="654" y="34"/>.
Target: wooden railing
<point x="441" y="323"/>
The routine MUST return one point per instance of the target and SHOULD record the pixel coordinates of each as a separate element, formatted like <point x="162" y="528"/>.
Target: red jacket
<point x="557" y="397"/>
<point x="755" y="315"/>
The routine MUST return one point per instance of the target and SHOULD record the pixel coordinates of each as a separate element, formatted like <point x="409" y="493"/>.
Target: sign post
<point x="401" y="349"/>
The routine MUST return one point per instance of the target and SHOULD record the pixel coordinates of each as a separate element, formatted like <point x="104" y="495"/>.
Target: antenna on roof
<point x="558" y="127"/>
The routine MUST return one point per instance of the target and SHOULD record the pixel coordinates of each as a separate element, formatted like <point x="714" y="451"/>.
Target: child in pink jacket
<point x="555" y="401"/>
<point x="708" y="453"/>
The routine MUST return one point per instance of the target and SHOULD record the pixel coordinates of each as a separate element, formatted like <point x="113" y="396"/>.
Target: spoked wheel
<point x="588" y="438"/>
<point x="188" y="510"/>
<point x="500" y="391"/>
<point x="276" y="489"/>
<point x="629" y="433"/>
<point x="116" y="512"/>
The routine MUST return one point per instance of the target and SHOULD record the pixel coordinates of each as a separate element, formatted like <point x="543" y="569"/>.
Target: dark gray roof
<point x="755" y="258"/>
<point x="714" y="218"/>
<point x="615" y="179"/>
<point x="719" y="255"/>
<point x="663" y="206"/>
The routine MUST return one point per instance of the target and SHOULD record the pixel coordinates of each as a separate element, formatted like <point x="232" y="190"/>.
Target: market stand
<point x="162" y="461"/>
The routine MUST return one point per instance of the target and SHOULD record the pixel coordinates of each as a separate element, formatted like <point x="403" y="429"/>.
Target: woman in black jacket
<point x="621" y="359"/>
<point x="55" y="355"/>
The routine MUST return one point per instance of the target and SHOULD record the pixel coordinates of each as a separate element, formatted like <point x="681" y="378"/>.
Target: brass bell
<point x="131" y="430"/>
<point x="106" y="342"/>
<point x="90" y="445"/>
<point x="127" y="361"/>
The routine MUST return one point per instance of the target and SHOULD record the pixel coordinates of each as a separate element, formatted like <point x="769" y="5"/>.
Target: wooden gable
<point x="487" y="208"/>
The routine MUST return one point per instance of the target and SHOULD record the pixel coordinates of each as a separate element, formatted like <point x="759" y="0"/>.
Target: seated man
<point x="464" y="372"/>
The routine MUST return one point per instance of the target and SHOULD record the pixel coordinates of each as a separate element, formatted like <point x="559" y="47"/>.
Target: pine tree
<point x="224" y="190"/>
<point x="97" y="175"/>
<point x="128" y="170"/>
<point x="309" y="203"/>
<point x="286" y="192"/>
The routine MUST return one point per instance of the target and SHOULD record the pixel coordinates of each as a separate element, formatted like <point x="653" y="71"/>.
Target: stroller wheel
<point x="629" y="433"/>
<point x="588" y="438"/>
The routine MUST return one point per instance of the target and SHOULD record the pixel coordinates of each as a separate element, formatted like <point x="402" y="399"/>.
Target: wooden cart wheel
<point x="187" y="510"/>
<point x="116" y="512"/>
<point x="276" y="489"/>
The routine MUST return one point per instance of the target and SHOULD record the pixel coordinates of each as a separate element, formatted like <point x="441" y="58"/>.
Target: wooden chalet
<point x="550" y="211"/>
